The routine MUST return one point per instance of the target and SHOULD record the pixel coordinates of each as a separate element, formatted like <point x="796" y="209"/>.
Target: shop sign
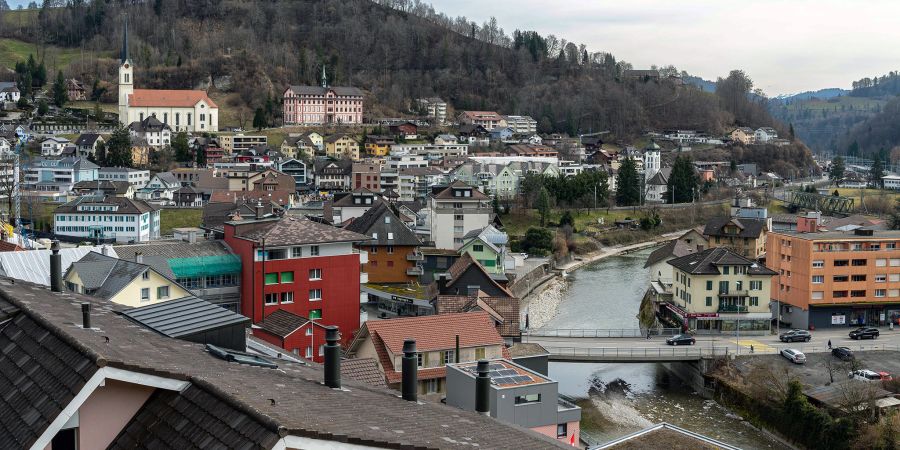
<point x="838" y="319"/>
<point x="703" y="315"/>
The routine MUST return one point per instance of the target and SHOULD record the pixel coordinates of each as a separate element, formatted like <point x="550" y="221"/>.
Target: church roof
<point x="169" y="97"/>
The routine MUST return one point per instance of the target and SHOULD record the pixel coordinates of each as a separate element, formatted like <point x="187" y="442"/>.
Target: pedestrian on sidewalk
<point x="829" y="344"/>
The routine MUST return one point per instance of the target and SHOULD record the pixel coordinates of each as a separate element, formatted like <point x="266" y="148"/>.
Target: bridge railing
<point x="600" y="333"/>
<point x="698" y="351"/>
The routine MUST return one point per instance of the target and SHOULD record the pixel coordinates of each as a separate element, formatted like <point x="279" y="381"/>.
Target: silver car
<point x="793" y="355"/>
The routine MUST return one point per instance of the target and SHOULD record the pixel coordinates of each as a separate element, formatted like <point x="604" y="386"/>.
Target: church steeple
<point x="125" y="42"/>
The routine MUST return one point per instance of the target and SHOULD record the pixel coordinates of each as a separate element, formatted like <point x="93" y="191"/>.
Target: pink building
<point x="316" y="105"/>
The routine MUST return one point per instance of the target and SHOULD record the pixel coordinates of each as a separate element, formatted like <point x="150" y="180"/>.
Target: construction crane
<point x="17" y="195"/>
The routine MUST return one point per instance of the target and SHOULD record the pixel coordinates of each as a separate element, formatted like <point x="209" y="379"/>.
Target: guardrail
<point x="601" y="333"/>
<point x="698" y="351"/>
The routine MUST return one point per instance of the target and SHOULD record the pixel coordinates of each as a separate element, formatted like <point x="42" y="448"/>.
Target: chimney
<point x="441" y="280"/>
<point x="56" y="281"/>
<point x="104" y="250"/>
<point x="483" y="389"/>
<point x="139" y="257"/>
<point x="192" y="236"/>
<point x="409" y="383"/>
<point x="332" y="357"/>
<point x="259" y="211"/>
<point x="86" y="315"/>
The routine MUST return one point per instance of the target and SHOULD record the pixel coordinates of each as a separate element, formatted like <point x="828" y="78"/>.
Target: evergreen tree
<point x="200" y="157"/>
<point x="118" y="149"/>
<point x="682" y="182"/>
<point x="42" y="107"/>
<point x="181" y="147"/>
<point x="259" y="119"/>
<point x="628" y="184"/>
<point x="60" y="96"/>
<point x="836" y="173"/>
<point x="543" y="205"/>
<point x="876" y="173"/>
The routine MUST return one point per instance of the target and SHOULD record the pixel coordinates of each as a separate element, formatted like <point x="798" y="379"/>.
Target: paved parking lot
<point x="815" y="371"/>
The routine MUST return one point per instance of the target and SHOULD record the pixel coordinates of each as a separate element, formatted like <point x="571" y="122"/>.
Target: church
<point x="183" y="110"/>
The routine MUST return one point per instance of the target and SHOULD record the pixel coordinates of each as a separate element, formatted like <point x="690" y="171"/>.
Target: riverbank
<point x="542" y="303"/>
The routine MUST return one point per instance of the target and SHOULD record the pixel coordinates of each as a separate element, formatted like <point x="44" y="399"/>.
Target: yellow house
<point x="743" y="135"/>
<point x="119" y="281"/>
<point x="718" y="290"/>
<point x="342" y="146"/>
<point x="379" y="145"/>
<point x="746" y="237"/>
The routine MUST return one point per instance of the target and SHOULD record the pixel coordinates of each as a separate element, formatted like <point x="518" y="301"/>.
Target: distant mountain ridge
<point x="823" y="94"/>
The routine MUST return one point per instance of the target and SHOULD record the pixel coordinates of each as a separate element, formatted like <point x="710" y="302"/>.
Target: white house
<point x="152" y="131"/>
<point x="54" y="146"/>
<point x="9" y="92"/>
<point x="161" y="187"/>
<point x="522" y="124"/>
<point x="135" y="177"/>
<point x="107" y="218"/>
<point x="456" y="210"/>
<point x="891" y="181"/>
<point x="765" y="134"/>
<point x="57" y="175"/>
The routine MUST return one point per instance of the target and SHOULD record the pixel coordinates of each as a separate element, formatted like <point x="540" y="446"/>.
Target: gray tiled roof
<point x="46" y="361"/>
<point x="105" y="275"/>
<point x="295" y="230"/>
<point x="184" y="317"/>
<point x="319" y="90"/>
<point x="282" y="323"/>
<point x="674" y="248"/>
<point x="749" y="228"/>
<point x="364" y="370"/>
<point x="708" y="262"/>
<point x="125" y="205"/>
<point x="373" y="223"/>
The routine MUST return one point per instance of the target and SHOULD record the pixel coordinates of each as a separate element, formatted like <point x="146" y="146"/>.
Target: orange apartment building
<point x="394" y="255"/>
<point x="835" y="278"/>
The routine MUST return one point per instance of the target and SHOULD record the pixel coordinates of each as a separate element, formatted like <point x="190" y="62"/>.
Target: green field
<point x="55" y="58"/>
<point x="179" y="218"/>
<point x="516" y="224"/>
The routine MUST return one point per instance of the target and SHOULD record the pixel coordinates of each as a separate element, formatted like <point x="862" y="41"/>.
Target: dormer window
<point x="387" y="219"/>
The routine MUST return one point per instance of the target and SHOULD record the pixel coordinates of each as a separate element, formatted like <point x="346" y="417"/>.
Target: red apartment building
<point x="306" y="268"/>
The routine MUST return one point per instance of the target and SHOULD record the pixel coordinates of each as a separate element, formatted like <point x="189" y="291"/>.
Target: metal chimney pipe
<point x="56" y="281"/>
<point x="409" y="383"/>
<point x="483" y="389"/>
<point x="332" y="357"/>
<point x="456" y="353"/>
<point x="86" y="315"/>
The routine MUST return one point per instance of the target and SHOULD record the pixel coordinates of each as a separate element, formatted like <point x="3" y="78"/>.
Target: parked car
<point x="842" y="353"/>
<point x="864" y="333"/>
<point x="866" y="375"/>
<point x="793" y="355"/>
<point x="681" y="339"/>
<point x="795" y="336"/>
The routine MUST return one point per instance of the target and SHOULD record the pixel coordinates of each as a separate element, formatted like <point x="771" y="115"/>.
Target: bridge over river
<point x="632" y="345"/>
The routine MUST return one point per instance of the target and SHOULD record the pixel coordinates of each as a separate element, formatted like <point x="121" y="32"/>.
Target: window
<point x="894" y="277"/>
<point x="708" y="301"/>
<point x="756" y="285"/>
<point x="723" y="287"/>
<point x="895" y="262"/>
<point x="145" y="275"/>
<point x="840" y="278"/>
<point x="272" y="298"/>
<point x="390" y="248"/>
<point x="287" y="277"/>
<point x="315" y="295"/>
<point x="422" y="359"/>
<point x="862" y="262"/>
<point x="857" y="278"/>
<point x="448" y="356"/>
<point x="272" y="278"/>
<point x="880" y="293"/>
<point x="315" y="314"/>
<point x="315" y="274"/>
<point x="309" y="331"/>
<point x="818" y="295"/>
<point x="754" y="301"/>
<point x="894" y="293"/>
<point x="145" y="294"/>
<point x="162" y="292"/>
<point x="725" y="270"/>
<point x="479" y="353"/>
<point x="841" y="263"/>
<point x="857" y="293"/>
<point x="562" y="430"/>
<point x="308" y="352"/>
<point x="297" y="252"/>
<point x="66" y="439"/>
<point x="839" y="294"/>
<point x="709" y="285"/>
<point x="432" y="386"/>
<point x="478" y="248"/>
<point x="287" y="297"/>
<point x="528" y="398"/>
<point x="313" y="250"/>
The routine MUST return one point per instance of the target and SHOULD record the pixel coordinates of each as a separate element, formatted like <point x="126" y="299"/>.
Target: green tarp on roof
<point x="201" y="266"/>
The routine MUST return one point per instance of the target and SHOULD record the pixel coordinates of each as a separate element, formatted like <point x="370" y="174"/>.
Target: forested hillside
<point x="395" y="50"/>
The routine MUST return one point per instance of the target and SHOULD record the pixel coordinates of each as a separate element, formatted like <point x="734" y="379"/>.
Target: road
<point x="638" y="349"/>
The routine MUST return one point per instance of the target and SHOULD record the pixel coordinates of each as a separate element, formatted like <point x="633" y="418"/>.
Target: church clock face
<point x="126" y="65"/>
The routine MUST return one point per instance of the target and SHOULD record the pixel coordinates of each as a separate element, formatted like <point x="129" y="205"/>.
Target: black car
<point x="842" y="353"/>
<point x="681" y="339"/>
<point x="795" y="336"/>
<point x="864" y="333"/>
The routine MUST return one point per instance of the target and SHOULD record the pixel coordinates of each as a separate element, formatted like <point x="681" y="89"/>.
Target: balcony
<point x="734" y="293"/>
<point x="415" y="271"/>
<point x="415" y="256"/>
<point x="727" y="308"/>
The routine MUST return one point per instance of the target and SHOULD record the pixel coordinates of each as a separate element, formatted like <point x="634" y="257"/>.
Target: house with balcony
<point x="307" y="268"/>
<point x="435" y="337"/>
<point x="517" y="395"/>
<point x="59" y="175"/>
<point x="332" y="175"/>
<point x="488" y="246"/>
<point x="455" y="210"/>
<point x="345" y="206"/>
<point x="393" y="249"/>
<point x="107" y="218"/>
<point x="161" y="188"/>
<point x="716" y="290"/>
<point x="744" y="236"/>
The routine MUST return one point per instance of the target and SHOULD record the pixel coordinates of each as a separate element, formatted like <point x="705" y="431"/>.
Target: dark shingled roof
<point x="319" y="90"/>
<point x="192" y="419"/>
<point x="106" y="275"/>
<point x="125" y="205"/>
<point x="45" y="361"/>
<point x="708" y="261"/>
<point x="184" y="317"/>
<point x="282" y="323"/>
<point x="215" y="214"/>
<point x="446" y="192"/>
<point x="295" y="230"/>
<point x="674" y="248"/>
<point x="749" y="228"/>
<point x="364" y="370"/>
<point x="373" y="223"/>
<point x="504" y="310"/>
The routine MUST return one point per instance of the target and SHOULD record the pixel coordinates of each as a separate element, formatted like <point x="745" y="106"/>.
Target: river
<point x="618" y="399"/>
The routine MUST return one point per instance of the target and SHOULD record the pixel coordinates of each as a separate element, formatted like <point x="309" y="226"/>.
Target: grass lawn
<point x="178" y="218"/>
<point x="55" y="58"/>
<point x="517" y="223"/>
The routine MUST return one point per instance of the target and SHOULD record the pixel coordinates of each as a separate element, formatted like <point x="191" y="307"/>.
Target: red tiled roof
<point x="437" y="332"/>
<point x="169" y="97"/>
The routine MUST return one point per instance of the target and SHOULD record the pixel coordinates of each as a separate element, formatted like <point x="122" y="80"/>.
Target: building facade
<point x="456" y="210"/>
<point x="317" y="105"/>
<point x="135" y="177"/>
<point x="835" y="279"/>
<point x="107" y="218"/>
<point x="393" y="255"/>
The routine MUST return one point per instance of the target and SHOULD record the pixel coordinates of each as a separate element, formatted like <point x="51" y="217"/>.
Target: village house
<point x="299" y="147"/>
<point x="521" y="124"/>
<point x="75" y="91"/>
<point x="393" y="248"/>
<point x="487" y="119"/>
<point x="87" y="144"/>
<point x="340" y="146"/>
<point x="488" y="247"/>
<point x="111" y="218"/>
<point x="345" y="206"/>
<point x="57" y="176"/>
<point x="152" y="131"/>
<point x="434" y="108"/>
<point x="366" y="175"/>
<point x="456" y="210"/>
<point x="160" y="188"/>
<point x="765" y="135"/>
<point x="111" y="188"/>
<point x="379" y="145"/>
<point x="743" y="135"/>
<point x="128" y="283"/>
<point x="135" y="177"/>
<point x="435" y="337"/>
<point x="54" y="146"/>
<point x="744" y="236"/>
<point x="295" y="168"/>
<point x="332" y="175"/>
<point x="9" y="92"/>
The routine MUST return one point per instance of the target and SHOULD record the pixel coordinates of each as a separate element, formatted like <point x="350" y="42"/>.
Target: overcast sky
<point x="786" y="46"/>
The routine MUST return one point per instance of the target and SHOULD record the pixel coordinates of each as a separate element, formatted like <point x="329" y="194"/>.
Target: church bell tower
<point x="126" y="78"/>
